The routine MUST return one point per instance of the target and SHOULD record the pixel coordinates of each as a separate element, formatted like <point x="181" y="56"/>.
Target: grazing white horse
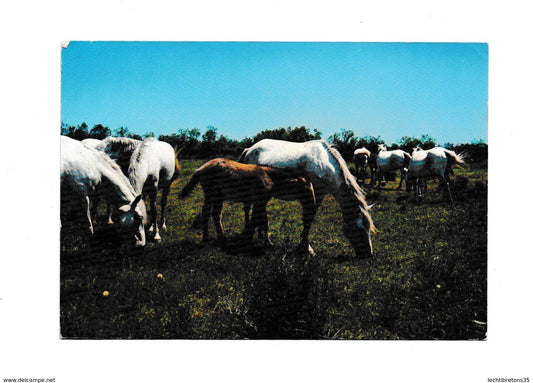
<point x="360" y="159"/>
<point x="329" y="173"/>
<point x="154" y="165"/>
<point x="391" y="161"/>
<point x="119" y="149"/>
<point x="428" y="164"/>
<point x="85" y="173"/>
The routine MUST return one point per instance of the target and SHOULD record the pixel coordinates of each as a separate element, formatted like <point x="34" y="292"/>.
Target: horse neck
<point x="138" y="170"/>
<point x="114" y="177"/>
<point x="137" y="177"/>
<point x="336" y="172"/>
<point x="345" y="189"/>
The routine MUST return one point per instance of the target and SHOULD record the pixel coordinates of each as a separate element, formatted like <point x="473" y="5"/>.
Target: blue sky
<point x="378" y="89"/>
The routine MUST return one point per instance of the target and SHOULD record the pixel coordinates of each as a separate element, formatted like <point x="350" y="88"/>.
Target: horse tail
<point x="177" y="170"/>
<point x="406" y="159"/>
<point x="242" y="158"/>
<point x="190" y="185"/>
<point x="454" y="158"/>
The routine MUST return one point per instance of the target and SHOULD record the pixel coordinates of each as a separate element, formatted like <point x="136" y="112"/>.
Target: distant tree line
<point x="210" y="144"/>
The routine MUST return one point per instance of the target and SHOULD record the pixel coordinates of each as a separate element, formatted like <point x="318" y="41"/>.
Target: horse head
<point x="357" y="223"/>
<point x="130" y="222"/>
<point x="382" y="148"/>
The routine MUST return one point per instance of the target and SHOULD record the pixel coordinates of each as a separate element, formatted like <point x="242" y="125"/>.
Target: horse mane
<point x="121" y="144"/>
<point x="136" y="157"/>
<point x="350" y="183"/>
<point x="133" y="166"/>
<point x="117" y="179"/>
<point x="120" y="149"/>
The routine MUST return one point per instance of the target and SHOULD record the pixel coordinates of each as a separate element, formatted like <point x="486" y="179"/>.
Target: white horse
<point x="360" y="159"/>
<point x="428" y="164"/>
<point x="119" y="149"/>
<point x="86" y="172"/>
<point x="391" y="161"/>
<point x="329" y="173"/>
<point x="154" y="165"/>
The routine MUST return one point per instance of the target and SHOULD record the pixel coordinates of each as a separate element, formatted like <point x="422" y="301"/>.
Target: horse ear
<point x="136" y="201"/>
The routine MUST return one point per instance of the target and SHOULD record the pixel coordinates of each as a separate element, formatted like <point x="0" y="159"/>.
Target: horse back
<point x="79" y="166"/>
<point x="233" y="181"/>
<point x="311" y="157"/>
<point x="152" y="161"/>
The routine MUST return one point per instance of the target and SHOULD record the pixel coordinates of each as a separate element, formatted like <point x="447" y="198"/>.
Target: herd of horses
<point x="415" y="169"/>
<point x="120" y="171"/>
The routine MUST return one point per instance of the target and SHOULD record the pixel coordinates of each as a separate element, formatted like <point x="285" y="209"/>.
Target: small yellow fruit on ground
<point x="105" y="293"/>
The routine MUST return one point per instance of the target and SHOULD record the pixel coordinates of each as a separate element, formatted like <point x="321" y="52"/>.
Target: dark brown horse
<point x="226" y="180"/>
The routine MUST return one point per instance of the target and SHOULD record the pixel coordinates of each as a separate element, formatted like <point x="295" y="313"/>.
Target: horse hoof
<point x="157" y="237"/>
<point x="306" y="249"/>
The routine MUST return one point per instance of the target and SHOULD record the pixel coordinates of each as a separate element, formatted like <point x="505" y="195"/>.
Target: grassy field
<point x="427" y="280"/>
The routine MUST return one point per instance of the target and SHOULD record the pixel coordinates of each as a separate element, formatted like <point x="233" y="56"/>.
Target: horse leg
<point x="94" y="208"/>
<point x="153" y="214"/>
<point x="164" y="198"/>
<point x="88" y="203"/>
<point x="363" y="176"/>
<point x="423" y="187"/>
<point x="447" y="180"/>
<point x="206" y="212"/>
<point x="246" y="207"/>
<point x="309" y="211"/>
<point x="216" y="213"/>
<point x="108" y="213"/>
<point x="449" y="191"/>
<point x="379" y="177"/>
<point x="402" y="176"/>
<point x="260" y="220"/>
<point x="418" y="188"/>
